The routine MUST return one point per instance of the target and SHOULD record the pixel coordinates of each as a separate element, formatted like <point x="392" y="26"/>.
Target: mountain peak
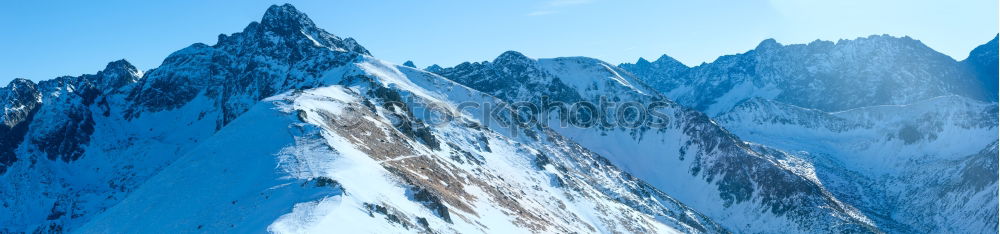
<point x="120" y="65"/>
<point x="768" y="43"/>
<point x="434" y="68"/>
<point x="666" y="60"/>
<point x="117" y="74"/>
<point x="20" y="82"/>
<point x="287" y="24"/>
<point x="510" y="57"/>
<point x="642" y="62"/>
<point x="409" y="63"/>
<point x="286" y="17"/>
<point x="663" y="62"/>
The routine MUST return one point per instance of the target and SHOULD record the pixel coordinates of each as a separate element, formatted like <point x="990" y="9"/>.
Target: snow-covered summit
<point x="117" y="74"/>
<point x="286" y="18"/>
<point x="284" y="23"/>
<point x="512" y="58"/>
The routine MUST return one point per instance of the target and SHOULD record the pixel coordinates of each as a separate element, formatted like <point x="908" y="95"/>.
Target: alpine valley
<point x="284" y="127"/>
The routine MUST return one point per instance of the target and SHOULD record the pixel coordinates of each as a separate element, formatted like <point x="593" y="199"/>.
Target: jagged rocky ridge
<point x="287" y="128"/>
<point x="665" y="66"/>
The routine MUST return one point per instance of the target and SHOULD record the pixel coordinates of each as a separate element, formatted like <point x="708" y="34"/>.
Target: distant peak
<point x="23" y="91"/>
<point x="886" y="36"/>
<point x="768" y="43"/>
<point x="20" y="83"/>
<point x="286" y="17"/>
<point x="642" y="62"/>
<point x="120" y="64"/>
<point x="120" y="67"/>
<point x="879" y="39"/>
<point x="667" y="60"/>
<point x="663" y="62"/>
<point x="409" y="63"/>
<point x="818" y="42"/>
<point x="118" y="73"/>
<point x="511" y="56"/>
<point x="434" y="68"/>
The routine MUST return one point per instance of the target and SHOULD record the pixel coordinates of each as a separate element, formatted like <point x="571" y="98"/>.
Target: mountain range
<point x="889" y="125"/>
<point x="285" y="127"/>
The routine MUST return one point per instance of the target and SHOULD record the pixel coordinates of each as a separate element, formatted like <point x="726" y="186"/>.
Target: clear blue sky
<point x="44" y="39"/>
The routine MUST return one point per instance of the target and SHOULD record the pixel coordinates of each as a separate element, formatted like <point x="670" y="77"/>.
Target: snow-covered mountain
<point x="284" y="127"/>
<point x="903" y="133"/>
<point x="693" y="159"/>
<point x="665" y="66"/>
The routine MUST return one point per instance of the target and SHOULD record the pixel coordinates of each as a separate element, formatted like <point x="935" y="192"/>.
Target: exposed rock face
<point x="21" y="100"/>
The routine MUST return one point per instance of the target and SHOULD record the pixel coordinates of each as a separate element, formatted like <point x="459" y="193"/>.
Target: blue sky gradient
<point x="46" y="39"/>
